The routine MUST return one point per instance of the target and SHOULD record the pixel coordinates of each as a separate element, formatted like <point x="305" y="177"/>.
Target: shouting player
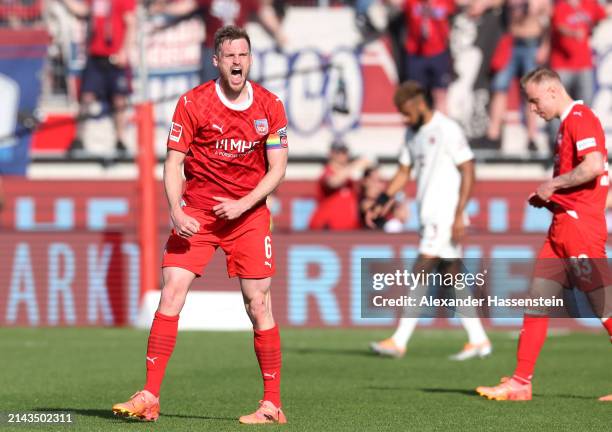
<point x="229" y="137"/>
<point x="577" y="236"/>
<point x="443" y="163"/>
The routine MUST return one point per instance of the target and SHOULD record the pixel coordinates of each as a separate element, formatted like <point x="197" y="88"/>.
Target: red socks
<point x="162" y="339"/>
<point x="531" y="340"/>
<point x="268" y="352"/>
<point x="607" y="323"/>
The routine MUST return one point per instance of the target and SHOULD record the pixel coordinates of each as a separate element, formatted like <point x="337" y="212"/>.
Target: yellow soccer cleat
<point x="266" y="413"/>
<point x="509" y="389"/>
<point x="142" y="405"/>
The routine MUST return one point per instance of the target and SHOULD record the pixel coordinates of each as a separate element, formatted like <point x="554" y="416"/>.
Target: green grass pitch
<point x="330" y="381"/>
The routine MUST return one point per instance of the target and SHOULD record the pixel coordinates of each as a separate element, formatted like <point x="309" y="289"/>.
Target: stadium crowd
<point x="537" y="32"/>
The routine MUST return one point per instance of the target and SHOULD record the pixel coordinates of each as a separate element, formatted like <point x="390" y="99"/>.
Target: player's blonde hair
<point x="230" y="33"/>
<point x="539" y="75"/>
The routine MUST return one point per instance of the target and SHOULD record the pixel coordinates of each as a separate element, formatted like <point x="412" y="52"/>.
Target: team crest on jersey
<point x="261" y="126"/>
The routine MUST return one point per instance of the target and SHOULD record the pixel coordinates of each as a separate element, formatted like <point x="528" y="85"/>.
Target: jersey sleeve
<point x="277" y="139"/>
<point x="458" y="146"/>
<point x="587" y="134"/>
<point x="598" y="12"/>
<point x="183" y="125"/>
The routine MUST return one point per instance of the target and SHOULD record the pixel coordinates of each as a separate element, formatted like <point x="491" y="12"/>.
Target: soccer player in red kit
<point x="577" y="236"/>
<point x="229" y="136"/>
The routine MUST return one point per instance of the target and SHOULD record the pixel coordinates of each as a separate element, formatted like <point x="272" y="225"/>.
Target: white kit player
<point x="438" y="154"/>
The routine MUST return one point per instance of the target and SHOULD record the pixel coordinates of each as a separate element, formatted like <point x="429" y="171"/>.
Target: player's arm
<point x="467" y="172"/>
<point x="184" y="225"/>
<point x="590" y="168"/>
<point x="78" y="8"/>
<point x="384" y="202"/>
<point x="184" y="122"/>
<point x="277" y="165"/>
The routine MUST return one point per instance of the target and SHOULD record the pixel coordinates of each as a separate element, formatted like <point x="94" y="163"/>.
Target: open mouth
<point x="236" y="73"/>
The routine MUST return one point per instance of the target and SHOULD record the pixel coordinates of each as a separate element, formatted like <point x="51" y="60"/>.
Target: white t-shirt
<point x="433" y="153"/>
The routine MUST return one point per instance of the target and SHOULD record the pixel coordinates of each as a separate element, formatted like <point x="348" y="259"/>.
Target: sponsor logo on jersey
<point x="586" y="143"/>
<point x="261" y="126"/>
<point x="176" y="130"/>
<point x="235" y="146"/>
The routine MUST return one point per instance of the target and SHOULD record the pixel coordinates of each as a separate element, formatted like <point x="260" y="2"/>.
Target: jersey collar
<point x="236" y="107"/>
<point x="568" y="110"/>
<point x="432" y="121"/>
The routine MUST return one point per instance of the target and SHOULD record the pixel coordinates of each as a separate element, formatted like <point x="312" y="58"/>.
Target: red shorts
<point x="246" y="241"/>
<point x="574" y="253"/>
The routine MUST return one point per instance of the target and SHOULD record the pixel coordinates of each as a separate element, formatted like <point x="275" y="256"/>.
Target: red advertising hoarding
<point x="70" y="255"/>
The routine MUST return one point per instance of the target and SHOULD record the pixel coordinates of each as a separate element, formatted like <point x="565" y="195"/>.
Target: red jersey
<point x="581" y="133"/>
<point x="570" y="52"/>
<point x="219" y="13"/>
<point x="108" y="28"/>
<point x="428" y="26"/>
<point x="225" y="144"/>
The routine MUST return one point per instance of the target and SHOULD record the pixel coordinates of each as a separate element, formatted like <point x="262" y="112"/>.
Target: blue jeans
<point x="522" y="61"/>
<point x="362" y="6"/>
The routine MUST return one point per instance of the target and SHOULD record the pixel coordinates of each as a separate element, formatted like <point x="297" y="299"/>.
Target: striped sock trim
<point x="522" y="380"/>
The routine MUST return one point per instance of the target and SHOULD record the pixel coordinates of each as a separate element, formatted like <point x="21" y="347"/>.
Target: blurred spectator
<point x="337" y="207"/>
<point x="218" y="13"/>
<point x="527" y="24"/>
<point x="372" y="185"/>
<point x="106" y="76"/>
<point x="476" y="8"/>
<point x="20" y="13"/>
<point x="571" y="55"/>
<point x="427" y="45"/>
<point x="1" y="196"/>
<point x="362" y="19"/>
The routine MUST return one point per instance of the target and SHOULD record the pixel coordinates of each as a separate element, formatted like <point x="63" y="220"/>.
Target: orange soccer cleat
<point x="607" y="398"/>
<point x="388" y="348"/>
<point x="142" y="405"/>
<point x="470" y="351"/>
<point x="266" y="413"/>
<point x="508" y="389"/>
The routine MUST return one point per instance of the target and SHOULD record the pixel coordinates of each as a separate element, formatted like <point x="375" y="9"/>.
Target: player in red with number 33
<point x="574" y="253"/>
<point x="229" y="136"/>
